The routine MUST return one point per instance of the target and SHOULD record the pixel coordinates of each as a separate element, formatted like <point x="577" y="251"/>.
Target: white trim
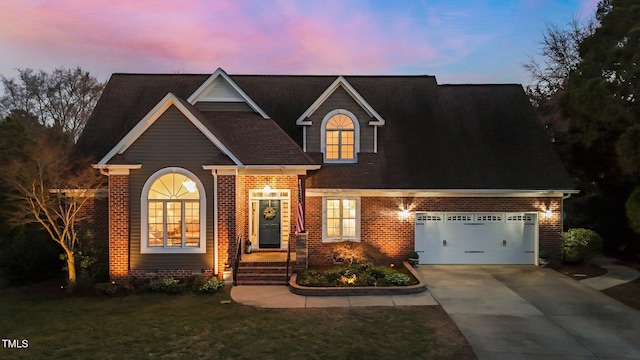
<point x="341" y="81"/>
<point x="311" y="192"/>
<point x="260" y="169"/>
<point x="356" y="136"/>
<point x="304" y="138"/>
<point x="144" y="215"/>
<point x="204" y="88"/>
<point x="325" y="237"/>
<point x="375" y="139"/>
<point x="153" y="115"/>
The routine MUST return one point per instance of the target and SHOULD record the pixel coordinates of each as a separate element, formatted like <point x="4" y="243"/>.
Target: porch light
<point x="190" y="185"/>
<point x="266" y="189"/>
<point x="548" y="213"/>
<point x="404" y="214"/>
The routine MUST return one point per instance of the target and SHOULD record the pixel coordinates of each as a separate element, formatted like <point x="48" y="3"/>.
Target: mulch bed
<point x="579" y="271"/>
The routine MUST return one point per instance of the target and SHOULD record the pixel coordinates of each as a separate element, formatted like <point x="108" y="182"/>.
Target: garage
<point x="476" y="238"/>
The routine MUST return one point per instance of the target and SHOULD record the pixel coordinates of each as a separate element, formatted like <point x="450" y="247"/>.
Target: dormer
<point x="340" y="124"/>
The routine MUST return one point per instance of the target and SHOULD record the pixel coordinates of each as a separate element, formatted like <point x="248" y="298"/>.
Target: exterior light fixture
<point x="266" y="189"/>
<point x="548" y="214"/>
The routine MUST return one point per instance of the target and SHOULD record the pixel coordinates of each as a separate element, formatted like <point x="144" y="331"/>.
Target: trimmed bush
<point x="210" y="285"/>
<point x="579" y="244"/>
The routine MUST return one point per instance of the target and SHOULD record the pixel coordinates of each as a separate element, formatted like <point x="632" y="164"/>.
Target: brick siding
<point x="382" y="226"/>
<point x="118" y="227"/>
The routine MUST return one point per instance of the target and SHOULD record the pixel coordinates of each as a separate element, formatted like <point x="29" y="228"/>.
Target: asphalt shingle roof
<point x="435" y="136"/>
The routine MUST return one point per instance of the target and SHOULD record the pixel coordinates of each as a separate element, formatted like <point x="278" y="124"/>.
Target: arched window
<point x="174" y="217"/>
<point x="340" y="137"/>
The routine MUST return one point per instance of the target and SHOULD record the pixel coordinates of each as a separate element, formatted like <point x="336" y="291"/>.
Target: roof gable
<point x="153" y="115"/>
<point x="219" y="87"/>
<point x="341" y="82"/>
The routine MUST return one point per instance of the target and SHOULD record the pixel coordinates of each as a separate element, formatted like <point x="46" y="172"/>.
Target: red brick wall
<point x="118" y="227"/>
<point x="226" y="219"/>
<point x="382" y="226"/>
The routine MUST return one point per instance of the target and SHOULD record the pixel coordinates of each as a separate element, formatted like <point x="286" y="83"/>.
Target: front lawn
<point x="57" y="325"/>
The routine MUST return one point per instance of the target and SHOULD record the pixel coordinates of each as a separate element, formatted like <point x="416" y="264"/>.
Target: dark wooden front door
<point x="269" y="224"/>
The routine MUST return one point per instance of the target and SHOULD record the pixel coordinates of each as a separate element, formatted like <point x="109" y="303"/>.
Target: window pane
<point x="349" y="228"/>
<point x="333" y="143"/>
<point x="174" y="186"/>
<point x="174" y="217"/>
<point x="349" y="208"/>
<point x="192" y="221"/>
<point x="333" y="227"/>
<point x="156" y="229"/>
<point x="340" y="121"/>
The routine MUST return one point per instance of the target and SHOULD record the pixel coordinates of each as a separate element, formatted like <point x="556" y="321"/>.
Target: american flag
<point x="300" y="218"/>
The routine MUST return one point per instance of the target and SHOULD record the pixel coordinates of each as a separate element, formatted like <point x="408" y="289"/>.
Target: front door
<point x="269" y="224"/>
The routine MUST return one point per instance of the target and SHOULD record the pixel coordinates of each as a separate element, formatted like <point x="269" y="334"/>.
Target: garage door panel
<point x="467" y="238"/>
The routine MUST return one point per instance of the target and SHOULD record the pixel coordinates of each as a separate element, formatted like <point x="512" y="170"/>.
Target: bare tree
<point x="48" y="187"/>
<point x="559" y="50"/>
<point x="62" y="99"/>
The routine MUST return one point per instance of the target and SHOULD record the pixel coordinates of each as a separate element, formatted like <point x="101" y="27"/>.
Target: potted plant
<point x="543" y="258"/>
<point x="413" y="258"/>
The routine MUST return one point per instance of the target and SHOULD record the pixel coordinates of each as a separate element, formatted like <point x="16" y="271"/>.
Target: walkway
<point x="616" y="274"/>
<point x="281" y="297"/>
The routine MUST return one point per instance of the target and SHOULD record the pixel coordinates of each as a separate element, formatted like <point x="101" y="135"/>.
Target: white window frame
<point x="144" y="216"/>
<point x="325" y="236"/>
<point x="356" y="136"/>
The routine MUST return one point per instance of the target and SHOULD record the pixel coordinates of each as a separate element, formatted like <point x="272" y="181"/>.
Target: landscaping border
<point x="421" y="286"/>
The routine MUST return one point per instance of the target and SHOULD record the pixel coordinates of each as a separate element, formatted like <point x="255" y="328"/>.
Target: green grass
<point x="59" y="326"/>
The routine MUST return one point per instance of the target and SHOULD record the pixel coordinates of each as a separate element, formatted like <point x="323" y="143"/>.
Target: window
<point x="341" y="219"/>
<point x="340" y="137"/>
<point x="172" y="213"/>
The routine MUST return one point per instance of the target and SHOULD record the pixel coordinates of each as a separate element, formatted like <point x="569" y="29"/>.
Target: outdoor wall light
<point x="266" y="189"/>
<point x="404" y="214"/>
<point x="548" y="214"/>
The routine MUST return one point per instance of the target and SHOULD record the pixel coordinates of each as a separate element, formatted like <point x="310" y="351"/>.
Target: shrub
<point x="27" y="255"/>
<point x="349" y="252"/>
<point x="166" y="285"/>
<point x="398" y="279"/>
<point x="210" y="285"/>
<point x="579" y="244"/>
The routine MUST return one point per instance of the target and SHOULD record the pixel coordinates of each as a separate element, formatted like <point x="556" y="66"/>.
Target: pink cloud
<point x="285" y="36"/>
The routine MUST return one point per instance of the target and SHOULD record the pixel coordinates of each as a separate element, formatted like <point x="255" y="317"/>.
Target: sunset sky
<point x="465" y="41"/>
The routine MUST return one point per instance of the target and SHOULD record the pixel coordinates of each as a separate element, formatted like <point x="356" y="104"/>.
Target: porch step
<point x="264" y="273"/>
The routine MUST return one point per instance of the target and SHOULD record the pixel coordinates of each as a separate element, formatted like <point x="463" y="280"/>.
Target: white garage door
<point x="476" y="238"/>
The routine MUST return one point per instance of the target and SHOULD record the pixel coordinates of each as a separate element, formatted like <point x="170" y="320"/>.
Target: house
<point x="198" y="165"/>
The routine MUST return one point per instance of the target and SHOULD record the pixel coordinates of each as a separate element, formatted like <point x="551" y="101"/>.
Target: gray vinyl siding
<point x="340" y="99"/>
<point x="171" y="141"/>
<point x="223" y="106"/>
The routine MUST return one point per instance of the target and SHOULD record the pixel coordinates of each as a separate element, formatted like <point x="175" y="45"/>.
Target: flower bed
<point x="357" y="280"/>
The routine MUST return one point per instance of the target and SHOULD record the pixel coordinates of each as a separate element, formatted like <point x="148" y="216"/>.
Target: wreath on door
<point x="269" y="212"/>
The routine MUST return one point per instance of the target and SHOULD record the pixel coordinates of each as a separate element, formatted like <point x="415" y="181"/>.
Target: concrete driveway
<point x="527" y="312"/>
